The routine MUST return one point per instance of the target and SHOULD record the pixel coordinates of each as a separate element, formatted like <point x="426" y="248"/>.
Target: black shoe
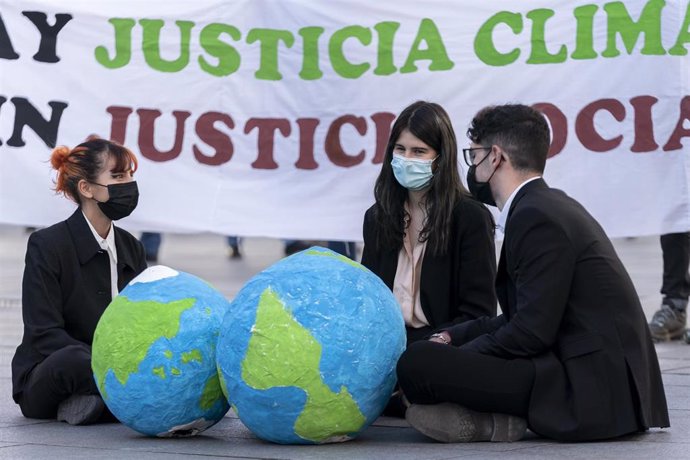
<point x="234" y="252"/>
<point x="669" y="322"/>
<point x="396" y="406"/>
<point x="80" y="409"/>
<point x="295" y="247"/>
<point x="448" y="422"/>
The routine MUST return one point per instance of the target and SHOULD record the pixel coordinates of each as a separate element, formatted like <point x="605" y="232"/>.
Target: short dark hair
<point x="521" y="131"/>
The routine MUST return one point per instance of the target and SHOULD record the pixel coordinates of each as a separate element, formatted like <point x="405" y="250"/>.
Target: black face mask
<point x="123" y="199"/>
<point x="480" y="190"/>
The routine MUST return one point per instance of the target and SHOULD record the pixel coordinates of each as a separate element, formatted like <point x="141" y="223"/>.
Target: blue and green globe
<point x="154" y="354"/>
<point x="307" y="351"/>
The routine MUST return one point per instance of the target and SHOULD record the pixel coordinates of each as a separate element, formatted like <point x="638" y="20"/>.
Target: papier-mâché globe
<point x="154" y="353"/>
<point x="308" y="348"/>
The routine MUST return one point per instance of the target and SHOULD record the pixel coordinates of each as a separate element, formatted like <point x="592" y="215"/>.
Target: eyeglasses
<point x="469" y="154"/>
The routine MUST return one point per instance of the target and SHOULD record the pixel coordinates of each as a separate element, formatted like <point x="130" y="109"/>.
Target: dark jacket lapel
<point x="125" y="257"/>
<point x="534" y="185"/>
<point x="84" y="242"/>
<point x="502" y="276"/>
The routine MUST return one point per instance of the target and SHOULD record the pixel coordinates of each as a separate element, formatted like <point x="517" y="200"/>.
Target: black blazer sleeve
<point x="469" y="330"/>
<point x="368" y="234"/>
<point x="475" y="259"/>
<point x="42" y="298"/>
<point x="542" y="261"/>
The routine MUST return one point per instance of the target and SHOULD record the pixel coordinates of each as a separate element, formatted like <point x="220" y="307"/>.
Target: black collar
<point x="86" y="243"/>
<point x="124" y="257"/>
<point x="533" y="185"/>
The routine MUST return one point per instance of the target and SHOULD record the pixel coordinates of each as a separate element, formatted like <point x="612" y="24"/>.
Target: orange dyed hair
<point x="86" y="161"/>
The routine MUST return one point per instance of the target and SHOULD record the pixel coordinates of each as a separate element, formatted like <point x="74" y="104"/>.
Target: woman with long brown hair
<point x="425" y="236"/>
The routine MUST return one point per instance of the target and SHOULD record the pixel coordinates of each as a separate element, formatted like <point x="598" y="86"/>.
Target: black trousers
<point x="430" y="373"/>
<point x="61" y="375"/>
<point x="675" y="248"/>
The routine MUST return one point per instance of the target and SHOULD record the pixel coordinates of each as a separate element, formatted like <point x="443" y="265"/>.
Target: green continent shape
<point x="212" y="393"/>
<point x="159" y="371"/>
<point x="282" y="353"/>
<point x="189" y="356"/>
<point x="223" y="384"/>
<point x="130" y="328"/>
<point x="340" y="257"/>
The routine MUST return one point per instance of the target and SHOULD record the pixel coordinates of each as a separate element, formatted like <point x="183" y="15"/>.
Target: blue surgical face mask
<point x="413" y="174"/>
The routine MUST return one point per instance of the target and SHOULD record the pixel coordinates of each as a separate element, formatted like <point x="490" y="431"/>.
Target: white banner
<point x="270" y="118"/>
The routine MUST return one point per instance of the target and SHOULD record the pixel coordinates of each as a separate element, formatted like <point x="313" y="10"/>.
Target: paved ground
<point x="206" y="256"/>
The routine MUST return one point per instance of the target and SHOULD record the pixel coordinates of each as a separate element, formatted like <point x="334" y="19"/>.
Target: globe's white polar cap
<point x="155" y="273"/>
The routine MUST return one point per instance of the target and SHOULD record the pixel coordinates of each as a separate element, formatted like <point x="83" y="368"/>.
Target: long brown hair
<point x="430" y="123"/>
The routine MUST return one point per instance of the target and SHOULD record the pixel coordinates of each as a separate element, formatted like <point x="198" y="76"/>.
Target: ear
<point x="497" y="152"/>
<point x="500" y="154"/>
<point x="84" y="188"/>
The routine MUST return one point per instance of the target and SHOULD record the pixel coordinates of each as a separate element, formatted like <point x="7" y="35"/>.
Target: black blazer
<point x="66" y="288"/>
<point x="454" y="287"/>
<point x="569" y="305"/>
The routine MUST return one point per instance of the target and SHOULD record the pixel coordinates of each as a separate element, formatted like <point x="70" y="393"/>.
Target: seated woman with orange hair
<point x="73" y="270"/>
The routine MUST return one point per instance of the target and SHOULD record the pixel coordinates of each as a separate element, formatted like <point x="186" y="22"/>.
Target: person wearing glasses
<point x="429" y="241"/>
<point x="571" y="357"/>
<point x="73" y="270"/>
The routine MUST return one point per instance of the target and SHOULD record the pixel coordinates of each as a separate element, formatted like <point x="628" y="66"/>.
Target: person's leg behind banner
<point x="669" y="322"/>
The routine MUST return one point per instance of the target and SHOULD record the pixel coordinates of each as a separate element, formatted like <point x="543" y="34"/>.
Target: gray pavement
<point x="206" y="256"/>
